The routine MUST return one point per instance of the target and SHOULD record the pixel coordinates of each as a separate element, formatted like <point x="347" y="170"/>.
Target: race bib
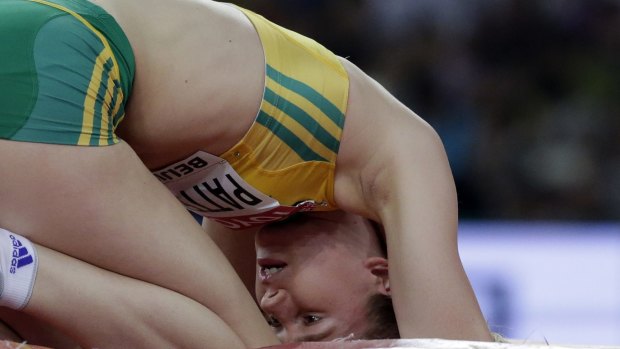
<point x="208" y="185"/>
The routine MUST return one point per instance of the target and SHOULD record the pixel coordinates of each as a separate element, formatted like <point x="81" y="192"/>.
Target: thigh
<point x="96" y="202"/>
<point x="101" y="205"/>
<point x="101" y="309"/>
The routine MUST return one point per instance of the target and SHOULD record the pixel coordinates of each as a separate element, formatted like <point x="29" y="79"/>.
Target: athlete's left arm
<point x="393" y="168"/>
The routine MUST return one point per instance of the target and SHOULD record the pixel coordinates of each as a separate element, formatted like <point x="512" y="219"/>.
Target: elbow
<point x="411" y="157"/>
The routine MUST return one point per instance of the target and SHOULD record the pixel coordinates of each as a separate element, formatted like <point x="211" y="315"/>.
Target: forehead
<point x="319" y="221"/>
<point x="322" y="229"/>
<point x="306" y="227"/>
<point x="296" y="234"/>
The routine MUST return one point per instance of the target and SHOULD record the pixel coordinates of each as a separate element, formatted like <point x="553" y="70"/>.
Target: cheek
<point x="333" y="281"/>
<point x="314" y="285"/>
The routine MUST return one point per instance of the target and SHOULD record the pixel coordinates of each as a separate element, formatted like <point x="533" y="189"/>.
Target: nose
<point x="278" y="303"/>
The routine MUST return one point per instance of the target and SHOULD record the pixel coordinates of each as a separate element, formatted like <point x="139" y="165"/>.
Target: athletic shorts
<point x="290" y="151"/>
<point x="66" y="73"/>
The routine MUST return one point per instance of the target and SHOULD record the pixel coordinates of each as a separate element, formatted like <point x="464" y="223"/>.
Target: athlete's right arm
<point x="101" y="205"/>
<point x="238" y="247"/>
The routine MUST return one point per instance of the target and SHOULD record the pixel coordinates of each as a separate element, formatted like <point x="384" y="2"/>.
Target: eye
<point x="272" y="321"/>
<point x="311" y="319"/>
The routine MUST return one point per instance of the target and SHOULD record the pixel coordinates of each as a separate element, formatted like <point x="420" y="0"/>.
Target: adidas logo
<point x="21" y="257"/>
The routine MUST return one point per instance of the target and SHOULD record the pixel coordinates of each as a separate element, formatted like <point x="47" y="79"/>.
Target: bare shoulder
<point x="381" y="135"/>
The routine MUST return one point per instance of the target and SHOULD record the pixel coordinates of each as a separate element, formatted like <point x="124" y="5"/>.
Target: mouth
<point x="268" y="267"/>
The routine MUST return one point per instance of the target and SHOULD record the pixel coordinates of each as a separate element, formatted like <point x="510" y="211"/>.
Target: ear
<point x="378" y="266"/>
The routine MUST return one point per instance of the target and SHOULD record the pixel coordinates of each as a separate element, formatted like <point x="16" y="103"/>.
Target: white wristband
<point x="18" y="269"/>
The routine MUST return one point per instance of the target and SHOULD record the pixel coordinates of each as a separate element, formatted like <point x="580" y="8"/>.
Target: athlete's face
<point x="313" y="280"/>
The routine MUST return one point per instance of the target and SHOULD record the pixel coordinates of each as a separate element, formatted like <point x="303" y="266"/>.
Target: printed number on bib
<point x="208" y="185"/>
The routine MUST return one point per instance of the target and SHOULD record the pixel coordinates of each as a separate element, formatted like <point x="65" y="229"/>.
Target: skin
<point x="391" y="168"/>
<point x="327" y="266"/>
<point x="114" y="241"/>
<point x="333" y="264"/>
<point x="133" y="313"/>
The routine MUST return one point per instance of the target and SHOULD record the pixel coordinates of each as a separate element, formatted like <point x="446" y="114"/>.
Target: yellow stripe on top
<point x="105" y="55"/>
<point x="297" y="127"/>
<point x="290" y="151"/>
<point x="298" y="69"/>
<point x="302" y="102"/>
<point x="299" y="131"/>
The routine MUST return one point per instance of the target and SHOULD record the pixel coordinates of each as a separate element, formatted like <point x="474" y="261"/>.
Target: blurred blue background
<point x="552" y="282"/>
<point x="526" y="96"/>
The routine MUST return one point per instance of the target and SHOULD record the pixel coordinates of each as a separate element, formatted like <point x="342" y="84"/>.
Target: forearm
<point x="238" y="247"/>
<point x="433" y="298"/>
<point x="431" y="293"/>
